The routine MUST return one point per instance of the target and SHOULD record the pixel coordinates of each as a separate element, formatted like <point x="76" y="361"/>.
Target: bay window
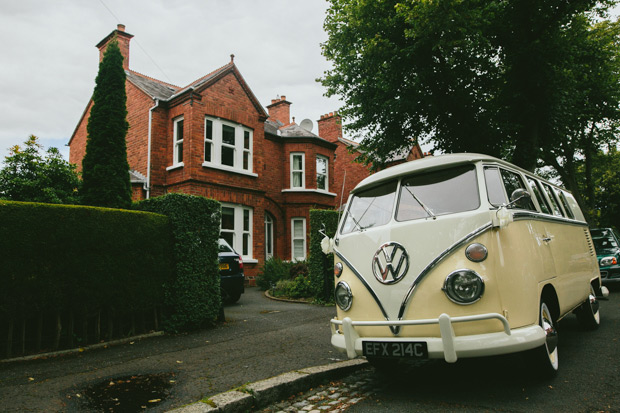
<point x="322" y="181"/>
<point x="298" y="175"/>
<point x="178" y="142"/>
<point x="298" y="239"/>
<point x="228" y="146"/>
<point x="236" y="228"/>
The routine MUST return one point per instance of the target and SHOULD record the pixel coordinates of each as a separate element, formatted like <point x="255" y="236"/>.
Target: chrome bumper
<point x="448" y="346"/>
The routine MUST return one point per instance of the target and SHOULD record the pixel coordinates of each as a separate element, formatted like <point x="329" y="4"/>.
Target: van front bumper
<point x="448" y="346"/>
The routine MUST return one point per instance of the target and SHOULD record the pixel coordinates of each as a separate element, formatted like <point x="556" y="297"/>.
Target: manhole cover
<point x="129" y="394"/>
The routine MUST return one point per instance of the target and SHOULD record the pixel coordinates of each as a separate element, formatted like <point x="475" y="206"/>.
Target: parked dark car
<point x="231" y="273"/>
<point x="607" y="249"/>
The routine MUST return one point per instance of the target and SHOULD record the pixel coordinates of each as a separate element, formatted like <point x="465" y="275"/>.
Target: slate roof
<point x="291" y="131"/>
<point x="154" y="88"/>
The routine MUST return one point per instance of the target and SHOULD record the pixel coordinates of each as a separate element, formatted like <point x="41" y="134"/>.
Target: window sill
<point x="179" y="165"/>
<point x="229" y="169"/>
<point x="249" y="261"/>
<point x="316" y="191"/>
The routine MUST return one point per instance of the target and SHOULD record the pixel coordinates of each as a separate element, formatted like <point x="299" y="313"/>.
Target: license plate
<point x="406" y="349"/>
<point x="224" y="266"/>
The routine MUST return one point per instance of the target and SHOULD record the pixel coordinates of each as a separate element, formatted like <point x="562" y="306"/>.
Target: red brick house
<point x="213" y="138"/>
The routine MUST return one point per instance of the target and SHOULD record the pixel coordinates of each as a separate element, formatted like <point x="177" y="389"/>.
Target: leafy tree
<point x="515" y="79"/>
<point x="29" y="176"/>
<point x="105" y="170"/>
<point x="603" y="202"/>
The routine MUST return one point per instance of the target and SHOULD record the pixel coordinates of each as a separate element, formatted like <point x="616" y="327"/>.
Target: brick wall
<point x="123" y="40"/>
<point x="77" y="144"/>
<point x="348" y="173"/>
<point x="280" y="110"/>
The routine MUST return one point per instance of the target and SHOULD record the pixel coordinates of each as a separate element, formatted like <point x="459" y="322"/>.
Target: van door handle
<point x="546" y="239"/>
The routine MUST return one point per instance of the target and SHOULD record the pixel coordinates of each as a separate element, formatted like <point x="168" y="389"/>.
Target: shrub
<point x="272" y="271"/>
<point x="193" y="298"/>
<point x="321" y="266"/>
<point x="60" y="259"/>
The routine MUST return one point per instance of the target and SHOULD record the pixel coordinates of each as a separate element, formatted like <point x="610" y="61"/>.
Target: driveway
<point x="261" y="338"/>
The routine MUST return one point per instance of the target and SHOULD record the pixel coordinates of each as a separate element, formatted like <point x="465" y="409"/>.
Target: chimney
<point x="280" y="110"/>
<point x="123" y="40"/>
<point x="330" y="127"/>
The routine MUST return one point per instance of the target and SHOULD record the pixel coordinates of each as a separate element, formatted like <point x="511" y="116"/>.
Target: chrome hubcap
<point x="594" y="306"/>
<point x="551" y="334"/>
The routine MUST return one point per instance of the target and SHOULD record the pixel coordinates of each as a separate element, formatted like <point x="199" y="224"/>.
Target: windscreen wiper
<point x="427" y="209"/>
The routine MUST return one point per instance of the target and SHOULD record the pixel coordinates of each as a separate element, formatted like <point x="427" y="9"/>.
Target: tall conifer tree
<point x="105" y="170"/>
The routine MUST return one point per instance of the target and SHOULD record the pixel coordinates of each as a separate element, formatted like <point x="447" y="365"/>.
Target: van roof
<point x="430" y="163"/>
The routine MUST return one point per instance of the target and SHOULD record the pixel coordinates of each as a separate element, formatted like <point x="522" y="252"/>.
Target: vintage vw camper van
<point x="460" y="255"/>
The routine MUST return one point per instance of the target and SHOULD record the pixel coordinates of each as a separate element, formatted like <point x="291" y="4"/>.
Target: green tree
<point x="105" y="170"/>
<point x="604" y="200"/>
<point x="506" y="78"/>
<point x="29" y="176"/>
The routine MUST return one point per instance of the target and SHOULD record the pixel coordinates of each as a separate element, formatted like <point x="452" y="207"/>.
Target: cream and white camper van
<point x="460" y="255"/>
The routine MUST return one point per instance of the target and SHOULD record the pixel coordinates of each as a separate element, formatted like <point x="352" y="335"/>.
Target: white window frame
<point x="240" y="231"/>
<point x="269" y="241"/>
<point x="177" y="142"/>
<point x="294" y="171"/>
<point x="216" y="143"/>
<point x="303" y="239"/>
<point x="326" y="189"/>
<point x="208" y="141"/>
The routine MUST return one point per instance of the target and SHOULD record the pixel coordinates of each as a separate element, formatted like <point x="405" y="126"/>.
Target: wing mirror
<point x="503" y="216"/>
<point x="518" y="195"/>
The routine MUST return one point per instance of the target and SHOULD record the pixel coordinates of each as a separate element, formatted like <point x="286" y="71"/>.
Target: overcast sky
<point x="49" y="58"/>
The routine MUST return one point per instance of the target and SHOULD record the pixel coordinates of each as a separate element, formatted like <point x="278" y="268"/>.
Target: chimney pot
<point x="120" y="27"/>
<point x="283" y="97"/>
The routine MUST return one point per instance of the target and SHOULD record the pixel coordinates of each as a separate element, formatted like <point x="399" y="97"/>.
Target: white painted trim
<point x="229" y="169"/>
<point x="179" y="165"/>
<point x="316" y="191"/>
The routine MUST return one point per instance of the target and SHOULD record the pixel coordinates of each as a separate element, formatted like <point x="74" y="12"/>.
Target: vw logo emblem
<point x="390" y="263"/>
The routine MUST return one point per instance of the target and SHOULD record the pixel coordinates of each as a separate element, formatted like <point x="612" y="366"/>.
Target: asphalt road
<point x="261" y="338"/>
<point x="588" y="379"/>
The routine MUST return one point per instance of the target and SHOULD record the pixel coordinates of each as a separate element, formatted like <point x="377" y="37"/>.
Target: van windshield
<point x="370" y="208"/>
<point x="437" y="193"/>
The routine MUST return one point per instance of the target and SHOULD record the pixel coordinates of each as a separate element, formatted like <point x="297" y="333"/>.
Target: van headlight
<point x="343" y="295"/>
<point x="464" y="287"/>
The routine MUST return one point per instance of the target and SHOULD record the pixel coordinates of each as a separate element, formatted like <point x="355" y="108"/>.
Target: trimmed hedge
<point x="193" y="299"/>
<point x="61" y="259"/>
<point x="321" y="266"/>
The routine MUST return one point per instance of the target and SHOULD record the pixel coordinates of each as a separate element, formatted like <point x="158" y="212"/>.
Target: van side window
<point x="445" y="191"/>
<point x="370" y="208"/>
<point x="495" y="187"/>
<point x="535" y="186"/>
<point x="569" y="211"/>
<point x="512" y="182"/>
<point x="554" y="202"/>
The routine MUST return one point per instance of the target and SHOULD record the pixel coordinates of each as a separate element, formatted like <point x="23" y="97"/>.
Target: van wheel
<point x="588" y="314"/>
<point x="546" y="356"/>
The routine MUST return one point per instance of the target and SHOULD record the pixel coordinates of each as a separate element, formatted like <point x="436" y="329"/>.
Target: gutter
<point x="147" y="185"/>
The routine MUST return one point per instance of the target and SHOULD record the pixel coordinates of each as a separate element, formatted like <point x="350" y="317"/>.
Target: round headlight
<point x="476" y="252"/>
<point x="343" y="295"/>
<point x="338" y="269"/>
<point x="464" y="287"/>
